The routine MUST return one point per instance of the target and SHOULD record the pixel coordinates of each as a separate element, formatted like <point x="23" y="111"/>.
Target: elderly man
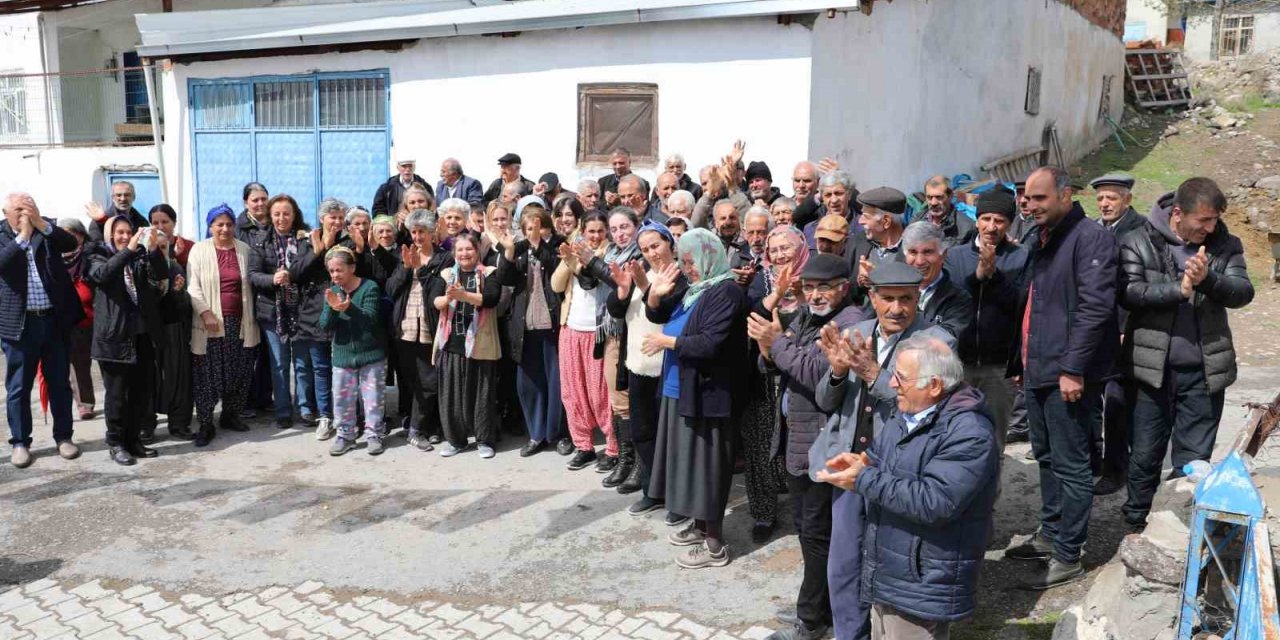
<point x="838" y="198"/>
<point x="831" y="236"/>
<point x="942" y="303"/>
<point x="675" y="165"/>
<point x="929" y="484"/>
<point x="632" y="192"/>
<point x="1024" y="225"/>
<point x="657" y="207"/>
<point x="509" y="173"/>
<point x="856" y="393"/>
<point x="386" y="201"/>
<point x="760" y="187"/>
<point x="679" y="205"/>
<point x="1179" y="274"/>
<point x="620" y="160"/>
<point x="940" y="209"/>
<point x="881" y="237"/>
<point x="989" y="267"/>
<point x="38" y="308"/>
<point x="512" y="192"/>
<point x="728" y="226"/>
<point x="749" y="258"/>
<point x="804" y="187"/>
<point x="1064" y="350"/>
<point x="589" y="195"/>
<point x="454" y="184"/>
<point x="794" y="354"/>
<point x="548" y="189"/>
<point x="122" y="197"/>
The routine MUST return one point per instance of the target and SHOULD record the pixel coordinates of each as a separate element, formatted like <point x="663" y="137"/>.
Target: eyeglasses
<point x="825" y="288"/>
<point x="902" y="381"/>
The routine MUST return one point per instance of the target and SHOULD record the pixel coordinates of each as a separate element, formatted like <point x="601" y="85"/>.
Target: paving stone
<point x="173" y="616"/>
<point x="539" y="631"/>
<point x="311" y="617"/>
<point x="350" y="613"/>
<point x="629" y="625"/>
<point x="590" y="611"/>
<point x="54" y="596"/>
<point x="399" y="633"/>
<point x="384" y="607"/>
<point x="88" y="623"/>
<point x="309" y="586"/>
<point x="490" y="611"/>
<point x="233" y="625"/>
<point x="92" y="590"/>
<point x="298" y="633"/>
<point x="336" y="630"/>
<point x="195" y="601"/>
<point x="660" y="618"/>
<point x="110" y="633"/>
<point x="502" y="635"/>
<point x="7" y="630"/>
<point x="439" y="630"/>
<point x="757" y="633"/>
<point x="233" y="598"/>
<point x="47" y="627"/>
<point x="285" y="603"/>
<point x="271" y="592"/>
<point x="130" y="619"/>
<point x="518" y="623"/>
<point x="72" y="608"/>
<point x="154" y="631"/>
<point x="214" y="612"/>
<point x="150" y="602"/>
<point x="611" y="619"/>
<point x="651" y="631"/>
<point x="450" y="614"/>
<point x="477" y="627"/>
<point x="135" y="591"/>
<point x="195" y="630"/>
<point x="592" y="632"/>
<point x="273" y="621"/>
<point x="322" y="599"/>
<point x="373" y="624"/>
<point x="28" y="613"/>
<point x="555" y="616"/>
<point x="411" y="619"/>
<point x="111" y="605"/>
<point x="255" y="634"/>
<point x="694" y="629"/>
<point x="249" y="608"/>
<point x="32" y="588"/>
<point x="12" y="599"/>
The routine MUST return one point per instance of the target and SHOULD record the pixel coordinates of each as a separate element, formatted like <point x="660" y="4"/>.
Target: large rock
<point x="1271" y="183"/>
<point x="1151" y="561"/>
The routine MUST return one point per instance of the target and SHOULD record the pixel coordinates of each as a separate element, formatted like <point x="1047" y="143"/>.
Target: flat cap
<point x="832" y="227"/>
<point x="1113" y="180"/>
<point x="999" y="200"/>
<point x="892" y="273"/>
<point x="405" y="160"/>
<point x="884" y="199"/>
<point x="825" y="266"/>
<point x="550" y="179"/>
<point x="759" y="169"/>
<point x="509" y="158"/>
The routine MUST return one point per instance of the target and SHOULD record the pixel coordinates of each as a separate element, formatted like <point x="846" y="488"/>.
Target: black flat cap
<point x="999" y="200"/>
<point x="550" y="179"/>
<point x="1113" y="180"/>
<point x="825" y="266"/>
<point x="884" y="199"/>
<point x="509" y="158"/>
<point x="892" y="273"/>
<point x="759" y="169"/>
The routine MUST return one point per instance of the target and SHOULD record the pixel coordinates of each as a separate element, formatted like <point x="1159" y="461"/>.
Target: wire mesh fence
<point x="84" y="108"/>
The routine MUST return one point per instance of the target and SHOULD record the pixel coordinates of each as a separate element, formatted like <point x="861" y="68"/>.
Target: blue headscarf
<point x="657" y="227"/>
<point x="220" y="210"/>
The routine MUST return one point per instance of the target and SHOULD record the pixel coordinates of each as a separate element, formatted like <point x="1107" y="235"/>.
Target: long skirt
<point x="223" y="373"/>
<point x="764" y="471"/>
<point x="468" y="398"/>
<point x="693" y="465"/>
<point x="173" y="374"/>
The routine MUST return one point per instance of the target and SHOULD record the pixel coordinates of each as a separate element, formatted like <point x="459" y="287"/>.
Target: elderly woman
<point x="415" y="197"/>
<point x="173" y="349"/>
<point x="289" y="280"/>
<point x="705" y="343"/>
<point x="351" y="316"/>
<point x="131" y="274"/>
<point x="783" y="211"/>
<point x="532" y="328"/>
<point x="81" y="337"/>
<point x="466" y="348"/>
<point x="224" y="336"/>
<point x="413" y="325"/>
<point x="451" y="220"/>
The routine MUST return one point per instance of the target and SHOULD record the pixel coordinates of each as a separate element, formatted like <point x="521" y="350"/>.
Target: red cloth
<point x="85" y="292"/>
<point x="1026" y="323"/>
<point x="229" y="283"/>
<point x="181" y="249"/>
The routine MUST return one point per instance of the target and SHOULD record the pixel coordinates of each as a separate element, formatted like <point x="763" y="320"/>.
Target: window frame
<point x="589" y="91"/>
<point x="1235" y="33"/>
<point x="13" y="85"/>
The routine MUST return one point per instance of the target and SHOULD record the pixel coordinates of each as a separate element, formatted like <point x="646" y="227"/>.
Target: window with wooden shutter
<point x="613" y="115"/>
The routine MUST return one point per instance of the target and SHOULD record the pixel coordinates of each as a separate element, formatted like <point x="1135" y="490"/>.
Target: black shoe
<point x="309" y="421"/>
<point x="761" y="532"/>
<point x="147" y="436"/>
<point x="233" y="423"/>
<point x="675" y="519"/>
<point x="787" y="616"/>
<point x="139" y="451"/>
<point x="644" y="505"/>
<point x="631" y="483"/>
<point x="1037" y="548"/>
<point x="204" y="437"/>
<point x="581" y="459"/>
<point x="1108" y="484"/>
<point x="531" y="448"/>
<point x="1017" y="435"/>
<point x="247" y="413"/>
<point x="564" y="447"/>
<point x="284" y="423"/>
<point x="799" y="631"/>
<point x="1054" y="574"/>
<point x="121" y="456"/>
<point x="606" y="463"/>
<point x="181" y="433"/>
<point x="626" y="460"/>
<point x="1131" y="527"/>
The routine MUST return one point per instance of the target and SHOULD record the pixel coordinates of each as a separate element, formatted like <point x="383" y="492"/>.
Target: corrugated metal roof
<point x="192" y="32"/>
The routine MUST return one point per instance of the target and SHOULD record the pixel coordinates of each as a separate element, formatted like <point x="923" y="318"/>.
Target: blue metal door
<point x="311" y="136"/>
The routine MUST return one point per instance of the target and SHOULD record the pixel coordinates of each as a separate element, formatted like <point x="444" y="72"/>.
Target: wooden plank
<point x="1161" y="76"/>
<point x="1162" y="103"/>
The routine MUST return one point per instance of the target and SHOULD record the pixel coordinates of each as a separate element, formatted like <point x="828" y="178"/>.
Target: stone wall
<point x="1108" y="14"/>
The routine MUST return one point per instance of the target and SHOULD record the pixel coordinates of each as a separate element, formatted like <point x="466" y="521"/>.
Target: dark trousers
<point x="851" y="617"/>
<point x="1181" y="409"/>
<point x="40" y="345"/>
<point x="642" y="396"/>
<point x="1061" y="437"/>
<point x="419" y="388"/>
<point x="468" y="398"/>
<point x="173" y="375"/>
<point x="81" y="366"/>
<point x="811" y="509"/>
<point x="1018" y="412"/>
<point x="129" y="390"/>
<point x="260" y="383"/>
<point x="538" y="384"/>
<point x="1109" y="455"/>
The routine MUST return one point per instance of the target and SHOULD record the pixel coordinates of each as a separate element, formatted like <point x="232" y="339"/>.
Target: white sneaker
<point x="486" y="451"/>
<point x="325" y="429"/>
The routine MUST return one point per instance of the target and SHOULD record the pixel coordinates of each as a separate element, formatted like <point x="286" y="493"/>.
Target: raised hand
<point x="585" y="254"/>
<point x="986" y="259"/>
<point x="863" y="357"/>
<point x="764" y="331"/>
<point x="827" y="165"/>
<point x="410" y="257"/>
<point x="338" y="301"/>
<point x="135" y="240"/>
<point x="663" y="281"/>
<point x="455" y="292"/>
<point x="638" y="277"/>
<point x="735" y="156"/>
<point x="622" y="278"/>
<point x="359" y="239"/>
<point x="95" y="211"/>
<point x="864" y="272"/>
<point x="567" y="253"/>
<point x="786" y="279"/>
<point x="318" y="240"/>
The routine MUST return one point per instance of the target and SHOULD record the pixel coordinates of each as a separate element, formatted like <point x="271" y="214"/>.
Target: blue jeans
<point x="281" y="357"/>
<point x="538" y="385"/>
<point x="312" y="376"/>
<point x="38" y="345"/>
<point x="1061" y="439"/>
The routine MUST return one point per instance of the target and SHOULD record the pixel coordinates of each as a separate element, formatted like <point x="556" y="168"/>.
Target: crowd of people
<point x="869" y="352"/>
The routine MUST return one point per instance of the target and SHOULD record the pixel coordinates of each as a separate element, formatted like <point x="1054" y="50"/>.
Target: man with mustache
<point x="940" y="209"/>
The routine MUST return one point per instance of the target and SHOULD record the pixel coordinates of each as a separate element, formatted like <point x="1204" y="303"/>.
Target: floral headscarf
<point x="705" y="250"/>
<point x="787" y="302"/>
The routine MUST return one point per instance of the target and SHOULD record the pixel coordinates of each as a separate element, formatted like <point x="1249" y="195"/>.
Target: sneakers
<point x="532" y="447"/>
<point x="284" y="423"/>
<point x="435" y="440"/>
<point x="447" y="450"/>
<point x="68" y="450"/>
<point x="675" y="519"/>
<point x="564" y="447"/>
<point x="325" y="429"/>
<point x="21" y="457"/>
<point x="420" y="442"/>
<point x="798" y="631"/>
<point x="1035" y="548"/>
<point x="699" y="557"/>
<point x="1054" y="574"/>
<point x="340" y="446"/>
<point x="606" y="463"/>
<point x="644" y="505"/>
<point x="761" y="531"/>
<point x="581" y="459"/>
<point x="486" y="451"/>
<point x="307" y="420"/>
<point x="374" y="446"/>
<point x="687" y="536"/>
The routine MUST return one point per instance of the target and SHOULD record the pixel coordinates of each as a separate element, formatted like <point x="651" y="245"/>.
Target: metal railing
<point x="83" y="108"/>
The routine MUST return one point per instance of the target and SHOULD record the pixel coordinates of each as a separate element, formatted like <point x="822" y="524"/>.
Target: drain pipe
<point x="148" y="70"/>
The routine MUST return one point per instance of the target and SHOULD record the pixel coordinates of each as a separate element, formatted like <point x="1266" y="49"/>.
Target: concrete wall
<point x="1266" y="31"/>
<point x="476" y="98"/>
<point x="918" y="88"/>
<point x="1153" y="14"/>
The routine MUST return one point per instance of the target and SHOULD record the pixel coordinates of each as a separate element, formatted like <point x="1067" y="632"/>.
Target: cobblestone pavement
<point x="101" y="610"/>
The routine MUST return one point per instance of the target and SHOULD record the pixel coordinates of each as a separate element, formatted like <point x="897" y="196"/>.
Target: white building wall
<point x="63" y="179"/>
<point x="1153" y="14"/>
<point x="1266" y="32"/>
<point x="475" y="98"/>
<point x="919" y="88"/>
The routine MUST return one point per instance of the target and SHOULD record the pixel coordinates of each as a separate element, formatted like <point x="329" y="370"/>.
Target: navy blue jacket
<point x="67" y="311"/>
<point x="996" y="322"/>
<point x="929" y="495"/>
<point x="469" y="190"/>
<point x="711" y="352"/>
<point x="1073" y="321"/>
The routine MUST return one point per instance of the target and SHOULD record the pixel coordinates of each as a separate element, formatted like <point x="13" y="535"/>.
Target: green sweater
<point x="359" y="338"/>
